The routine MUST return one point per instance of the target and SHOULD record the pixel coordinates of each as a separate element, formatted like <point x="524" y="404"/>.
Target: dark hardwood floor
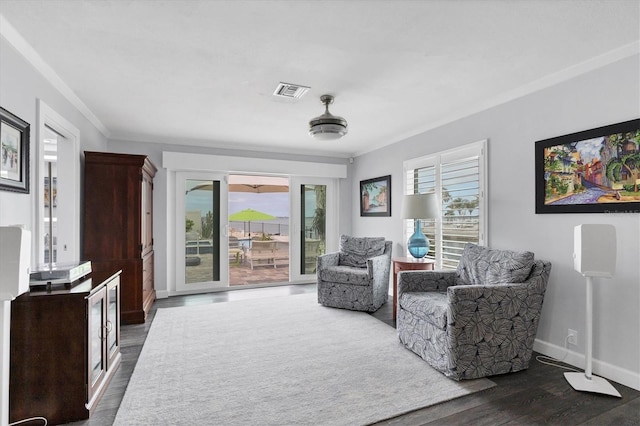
<point x="539" y="395"/>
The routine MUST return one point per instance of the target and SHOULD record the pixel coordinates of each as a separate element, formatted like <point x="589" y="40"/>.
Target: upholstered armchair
<point x="480" y="320"/>
<point x="356" y="277"/>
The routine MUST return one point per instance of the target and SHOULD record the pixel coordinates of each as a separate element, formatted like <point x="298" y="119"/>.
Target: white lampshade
<point x="420" y="206"/>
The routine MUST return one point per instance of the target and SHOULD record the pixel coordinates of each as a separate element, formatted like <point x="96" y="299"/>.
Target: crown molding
<point x="9" y="33"/>
<point x="615" y="55"/>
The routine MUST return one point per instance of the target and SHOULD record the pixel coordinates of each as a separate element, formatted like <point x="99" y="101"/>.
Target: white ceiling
<point x="203" y="72"/>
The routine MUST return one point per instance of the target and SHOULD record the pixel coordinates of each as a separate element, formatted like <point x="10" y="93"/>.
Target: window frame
<point x="437" y="160"/>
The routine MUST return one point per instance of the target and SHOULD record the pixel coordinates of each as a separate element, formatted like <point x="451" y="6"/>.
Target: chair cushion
<point x="345" y="275"/>
<point x="482" y="265"/>
<point x="429" y="306"/>
<point x="354" y="251"/>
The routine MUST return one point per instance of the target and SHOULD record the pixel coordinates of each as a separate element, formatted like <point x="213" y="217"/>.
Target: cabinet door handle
<point x="109" y="327"/>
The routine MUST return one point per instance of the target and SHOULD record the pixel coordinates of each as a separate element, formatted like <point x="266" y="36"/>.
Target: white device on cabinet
<point x="15" y="260"/>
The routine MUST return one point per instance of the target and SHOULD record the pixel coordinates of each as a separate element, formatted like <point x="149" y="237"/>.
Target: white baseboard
<point x="602" y="369"/>
<point x="162" y="294"/>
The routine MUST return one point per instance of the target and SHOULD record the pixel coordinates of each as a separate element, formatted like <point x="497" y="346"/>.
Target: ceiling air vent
<point x="287" y="90"/>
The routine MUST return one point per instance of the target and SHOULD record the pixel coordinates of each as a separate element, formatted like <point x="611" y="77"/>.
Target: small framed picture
<point x="14" y="153"/>
<point x="593" y="171"/>
<point x="375" y="196"/>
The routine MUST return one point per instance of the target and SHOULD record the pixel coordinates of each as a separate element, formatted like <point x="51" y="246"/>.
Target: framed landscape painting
<point x="14" y="153"/>
<point x="593" y="171"/>
<point x="375" y="196"/>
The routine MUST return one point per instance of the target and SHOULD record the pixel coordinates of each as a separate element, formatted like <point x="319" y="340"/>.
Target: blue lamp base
<point x="418" y="243"/>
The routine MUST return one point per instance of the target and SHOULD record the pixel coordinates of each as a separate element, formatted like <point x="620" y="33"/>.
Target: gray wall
<point x="605" y="96"/>
<point x="20" y="87"/>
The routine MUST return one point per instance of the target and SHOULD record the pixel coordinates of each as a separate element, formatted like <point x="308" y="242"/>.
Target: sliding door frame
<point x="180" y="235"/>
<point x="331" y="221"/>
<point x="176" y="162"/>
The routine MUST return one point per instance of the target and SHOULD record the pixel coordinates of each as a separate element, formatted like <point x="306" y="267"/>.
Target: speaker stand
<point x="587" y="382"/>
<point x="595" y="384"/>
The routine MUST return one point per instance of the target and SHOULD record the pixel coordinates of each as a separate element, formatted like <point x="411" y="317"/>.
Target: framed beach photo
<point x="14" y="153"/>
<point x="375" y="196"/>
<point x="593" y="171"/>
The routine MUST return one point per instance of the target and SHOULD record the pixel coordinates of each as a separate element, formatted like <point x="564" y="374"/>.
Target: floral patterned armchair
<point x="480" y="320"/>
<point x="356" y="277"/>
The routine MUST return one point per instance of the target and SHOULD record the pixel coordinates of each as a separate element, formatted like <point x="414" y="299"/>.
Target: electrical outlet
<point x="572" y="337"/>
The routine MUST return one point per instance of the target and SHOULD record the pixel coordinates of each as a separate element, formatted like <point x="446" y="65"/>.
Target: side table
<point x="407" y="264"/>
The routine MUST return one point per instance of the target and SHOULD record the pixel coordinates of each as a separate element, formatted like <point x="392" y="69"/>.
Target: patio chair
<point x="262" y="253"/>
<point x="236" y="252"/>
<point x="356" y="277"/>
<point x="480" y="320"/>
<point x="282" y="253"/>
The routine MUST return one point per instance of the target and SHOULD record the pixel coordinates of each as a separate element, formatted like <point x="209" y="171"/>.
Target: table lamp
<point x="419" y="206"/>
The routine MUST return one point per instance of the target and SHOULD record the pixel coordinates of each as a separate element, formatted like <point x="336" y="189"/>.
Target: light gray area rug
<point x="278" y="361"/>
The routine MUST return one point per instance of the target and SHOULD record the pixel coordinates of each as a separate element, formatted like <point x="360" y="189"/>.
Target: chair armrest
<point x="497" y="301"/>
<point x="377" y="262"/>
<point x="425" y="281"/>
<point x="329" y="259"/>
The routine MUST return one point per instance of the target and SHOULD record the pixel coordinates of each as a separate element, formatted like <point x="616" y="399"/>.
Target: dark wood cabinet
<point x="65" y="347"/>
<point x="118" y="225"/>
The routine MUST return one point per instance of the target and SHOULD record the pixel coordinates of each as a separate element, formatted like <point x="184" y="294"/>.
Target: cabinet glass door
<point x="113" y="319"/>
<point x="97" y="365"/>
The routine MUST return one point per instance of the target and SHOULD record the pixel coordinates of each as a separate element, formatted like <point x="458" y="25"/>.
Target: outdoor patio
<point x="240" y="272"/>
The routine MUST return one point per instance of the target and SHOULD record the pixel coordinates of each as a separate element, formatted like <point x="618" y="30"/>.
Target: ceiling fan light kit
<point x="327" y="126"/>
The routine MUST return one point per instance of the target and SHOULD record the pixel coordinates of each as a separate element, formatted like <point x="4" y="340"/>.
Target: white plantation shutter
<point x="458" y="177"/>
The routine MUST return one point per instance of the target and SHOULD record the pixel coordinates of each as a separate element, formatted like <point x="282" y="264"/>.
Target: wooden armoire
<point x="118" y="225"/>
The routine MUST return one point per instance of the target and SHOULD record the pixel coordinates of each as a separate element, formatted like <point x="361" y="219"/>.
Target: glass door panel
<point x="97" y="364"/>
<point x="113" y="318"/>
<point x="202" y="258"/>
<point x="314" y="207"/>
<point x="50" y="219"/>
<point x="200" y="232"/>
<point x="313" y="211"/>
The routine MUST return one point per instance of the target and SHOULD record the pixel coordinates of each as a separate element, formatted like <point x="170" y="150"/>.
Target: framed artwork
<point x="593" y="171"/>
<point x="375" y="196"/>
<point x="14" y="153"/>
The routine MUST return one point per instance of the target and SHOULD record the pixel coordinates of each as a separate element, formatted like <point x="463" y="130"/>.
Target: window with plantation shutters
<point x="458" y="178"/>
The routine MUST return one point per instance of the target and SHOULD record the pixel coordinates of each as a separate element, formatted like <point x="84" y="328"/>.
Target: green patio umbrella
<point x="250" y="215"/>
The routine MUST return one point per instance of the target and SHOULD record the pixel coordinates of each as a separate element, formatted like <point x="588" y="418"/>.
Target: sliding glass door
<point x="220" y="243"/>
<point x="201" y="236"/>
<point x="315" y="210"/>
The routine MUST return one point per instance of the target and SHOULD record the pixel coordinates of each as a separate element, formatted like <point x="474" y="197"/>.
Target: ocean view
<point x="278" y="226"/>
